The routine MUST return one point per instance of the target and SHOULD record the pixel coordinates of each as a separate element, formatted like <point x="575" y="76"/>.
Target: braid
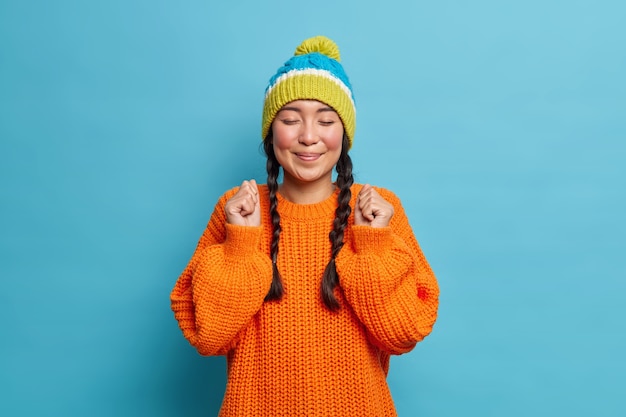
<point x="345" y="180"/>
<point x="273" y="168"/>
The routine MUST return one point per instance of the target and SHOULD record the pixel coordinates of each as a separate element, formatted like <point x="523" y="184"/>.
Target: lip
<point x="307" y="156"/>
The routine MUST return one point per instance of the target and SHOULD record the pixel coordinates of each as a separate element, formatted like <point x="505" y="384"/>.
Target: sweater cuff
<point x="241" y="240"/>
<point x="369" y="239"/>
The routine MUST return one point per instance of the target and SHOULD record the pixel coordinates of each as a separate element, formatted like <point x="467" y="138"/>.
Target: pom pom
<point x="320" y="44"/>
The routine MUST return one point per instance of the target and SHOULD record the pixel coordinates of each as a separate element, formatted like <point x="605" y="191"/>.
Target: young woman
<point x="307" y="286"/>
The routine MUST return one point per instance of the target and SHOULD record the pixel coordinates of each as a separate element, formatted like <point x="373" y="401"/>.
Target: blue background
<point x="501" y="125"/>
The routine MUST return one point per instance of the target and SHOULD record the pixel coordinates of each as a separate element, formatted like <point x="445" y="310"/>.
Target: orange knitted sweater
<point x="294" y="357"/>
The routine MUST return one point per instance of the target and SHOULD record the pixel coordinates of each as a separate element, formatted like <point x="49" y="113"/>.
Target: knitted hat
<point x="313" y="73"/>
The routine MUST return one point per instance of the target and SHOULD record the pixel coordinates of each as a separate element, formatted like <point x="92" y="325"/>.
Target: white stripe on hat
<point x="311" y="71"/>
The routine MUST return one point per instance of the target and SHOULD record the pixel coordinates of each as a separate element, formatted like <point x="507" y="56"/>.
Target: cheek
<point x="281" y="139"/>
<point x="334" y="141"/>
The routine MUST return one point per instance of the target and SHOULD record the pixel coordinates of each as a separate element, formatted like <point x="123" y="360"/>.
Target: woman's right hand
<point x="243" y="209"/>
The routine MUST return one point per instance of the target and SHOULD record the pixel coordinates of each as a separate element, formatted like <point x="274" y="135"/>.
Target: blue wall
<point x="501" y="125"/>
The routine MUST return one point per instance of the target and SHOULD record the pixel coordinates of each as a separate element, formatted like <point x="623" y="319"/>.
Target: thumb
<point x="359" y="219"/>
<point x="255" y="188"/>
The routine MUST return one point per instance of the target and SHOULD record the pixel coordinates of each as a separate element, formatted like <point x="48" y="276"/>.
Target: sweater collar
<point x="323" y="209"/>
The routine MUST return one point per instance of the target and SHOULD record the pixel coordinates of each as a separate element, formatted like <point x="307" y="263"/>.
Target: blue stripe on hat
<point x="312" y="60"/>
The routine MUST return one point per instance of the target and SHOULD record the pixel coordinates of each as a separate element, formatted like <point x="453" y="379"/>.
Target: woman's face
<point x="307" y="138"/>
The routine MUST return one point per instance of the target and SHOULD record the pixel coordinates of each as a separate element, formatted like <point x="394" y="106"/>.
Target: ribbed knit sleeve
<point x="388" y="282"/>
<point x="223" y="285"/>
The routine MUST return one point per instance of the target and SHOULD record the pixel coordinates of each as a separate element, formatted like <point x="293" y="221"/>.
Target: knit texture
<point x="294" y="357"/>
<point x="313" y="73"/>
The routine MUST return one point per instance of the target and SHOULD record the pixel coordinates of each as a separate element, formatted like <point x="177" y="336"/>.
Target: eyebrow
<point x="297" y="109"/>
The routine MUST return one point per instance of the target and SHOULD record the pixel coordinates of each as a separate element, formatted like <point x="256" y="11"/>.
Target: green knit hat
<point x="313" y="73"/>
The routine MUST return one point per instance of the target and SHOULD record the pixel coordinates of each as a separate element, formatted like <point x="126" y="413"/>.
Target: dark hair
<point x="345" y="179"/>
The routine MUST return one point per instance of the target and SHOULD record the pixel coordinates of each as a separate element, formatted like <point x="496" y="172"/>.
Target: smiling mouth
<point x="308" y="156"/>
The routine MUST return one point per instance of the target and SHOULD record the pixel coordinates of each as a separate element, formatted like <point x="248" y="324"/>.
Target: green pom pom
<point x="320" y="44"/>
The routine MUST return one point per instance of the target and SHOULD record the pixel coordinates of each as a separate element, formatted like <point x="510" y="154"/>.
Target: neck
<point x="306" y="193"/>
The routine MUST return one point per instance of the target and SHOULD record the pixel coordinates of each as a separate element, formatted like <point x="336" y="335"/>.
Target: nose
<point x="308" y="135"/>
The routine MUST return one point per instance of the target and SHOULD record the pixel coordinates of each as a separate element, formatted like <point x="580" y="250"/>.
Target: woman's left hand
<point x="371" y="209"/>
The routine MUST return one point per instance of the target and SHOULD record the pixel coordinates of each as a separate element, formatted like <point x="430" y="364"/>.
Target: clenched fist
<point x="243" y="209"/>
<point x="371" y="209"/>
